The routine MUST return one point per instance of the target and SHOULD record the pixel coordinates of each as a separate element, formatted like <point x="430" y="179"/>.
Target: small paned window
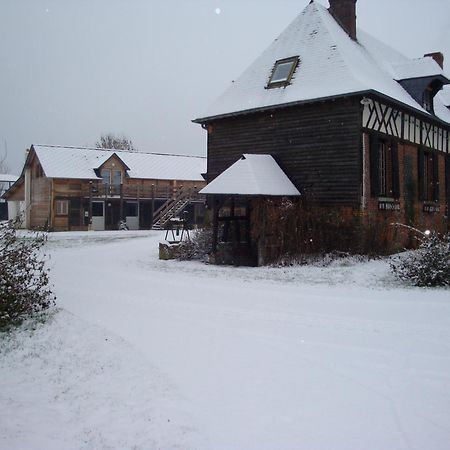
<point x="428" y="176"/>
<point x="62" y="207"/>
<point x="282" y="72"/>
<point x="384" y="168"/>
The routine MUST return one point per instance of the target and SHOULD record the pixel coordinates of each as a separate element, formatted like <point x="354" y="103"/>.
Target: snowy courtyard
<point x="149" y="354"/>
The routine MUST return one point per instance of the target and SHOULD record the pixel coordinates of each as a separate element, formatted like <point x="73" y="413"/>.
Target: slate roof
<point x="331" y="64"/>
<point x="81" y="162"/>
<point x="252" y="175"/>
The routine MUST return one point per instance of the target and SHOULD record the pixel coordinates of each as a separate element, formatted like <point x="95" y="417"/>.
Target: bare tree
<point x="4" y="168"/>
<point x="116" y="142"/>
<point x="3" y="164"/>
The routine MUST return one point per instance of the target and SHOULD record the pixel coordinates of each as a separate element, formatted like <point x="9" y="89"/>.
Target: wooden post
<point x="215" y="224"/>
<point x="153" y="204"/>
<point x="90" y="205"/>
<point x="121" y="202"/>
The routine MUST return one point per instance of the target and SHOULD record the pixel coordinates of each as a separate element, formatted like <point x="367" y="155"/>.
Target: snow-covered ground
<point x="149" y="354"/>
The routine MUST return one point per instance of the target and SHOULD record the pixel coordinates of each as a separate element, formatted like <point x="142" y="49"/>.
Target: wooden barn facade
<point x="360" y="130"/>
<point x="70" y="188"/>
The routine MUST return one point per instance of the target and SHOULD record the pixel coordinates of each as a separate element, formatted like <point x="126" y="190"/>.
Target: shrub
<point x="24" y="280"/>
<point x="198" y="247"/>
<point x="429" y="265"/>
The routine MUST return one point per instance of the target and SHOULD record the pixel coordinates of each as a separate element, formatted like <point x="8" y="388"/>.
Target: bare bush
<point x="198" y="247"/>
<point x="429" y="265"/>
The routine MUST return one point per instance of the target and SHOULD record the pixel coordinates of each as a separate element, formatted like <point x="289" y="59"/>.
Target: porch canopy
<point x="252" y="175"/>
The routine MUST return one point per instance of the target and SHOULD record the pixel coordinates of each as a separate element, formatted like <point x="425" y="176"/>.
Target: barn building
<point x="7" y="209"/>
<point x="72" y="188"/>
<point x="360" y="132"/>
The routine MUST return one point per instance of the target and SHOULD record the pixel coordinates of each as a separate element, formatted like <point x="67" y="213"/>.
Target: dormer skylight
<point x="282" y="72"/>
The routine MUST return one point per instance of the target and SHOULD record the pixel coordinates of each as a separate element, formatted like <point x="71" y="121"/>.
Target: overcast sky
<point x="71" y="70"/>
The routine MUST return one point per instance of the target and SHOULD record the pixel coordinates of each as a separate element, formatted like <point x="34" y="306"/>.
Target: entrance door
<point x="132" y="215"/>
<point x="98" y="216"/>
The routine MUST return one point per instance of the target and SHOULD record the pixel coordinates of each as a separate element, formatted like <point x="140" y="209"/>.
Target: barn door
<point x="98" y="216"/>
<point x="132" y="215"/>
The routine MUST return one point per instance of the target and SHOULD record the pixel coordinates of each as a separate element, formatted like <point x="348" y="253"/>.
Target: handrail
<point x="174" y="205"/>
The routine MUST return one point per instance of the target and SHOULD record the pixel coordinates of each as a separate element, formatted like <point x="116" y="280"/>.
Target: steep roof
<point x="252" y="175"/>
<point x="331" y="64"/>
<point x="81" y="162"/>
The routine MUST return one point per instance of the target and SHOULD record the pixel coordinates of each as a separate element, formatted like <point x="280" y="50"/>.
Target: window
<point x="447" y="179"/>
<point x="384" y="171"/>
<point x="282" y="72"/>
<point x="98" y="209"/>
<point x="117" y="177"/>
<point x="428" y="176"/>
<point x="427" y="100"/>
<point x="106" y="176"/>
<point x="131" y="209"/>
<point x="62" y="207"/>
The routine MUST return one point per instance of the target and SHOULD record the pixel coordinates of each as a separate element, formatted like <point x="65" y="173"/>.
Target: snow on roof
<point x="80" y="162"/>
<point x="331" y="64"/>
<point x="417" y="68"/>
<point x="6" y="177"/>
<point x="252" y="175"/>
<point x="444" y="96"/>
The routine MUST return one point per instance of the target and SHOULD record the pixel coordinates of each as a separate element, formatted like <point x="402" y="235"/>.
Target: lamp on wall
<point x="366" y="101"/>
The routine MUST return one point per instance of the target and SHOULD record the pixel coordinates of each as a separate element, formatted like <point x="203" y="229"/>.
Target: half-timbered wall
<point x="388" y="120"/>
<point x="317" y="145"/>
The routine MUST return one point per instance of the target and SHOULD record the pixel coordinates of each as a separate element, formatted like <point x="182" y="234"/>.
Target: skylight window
<point x="282" y="72"/>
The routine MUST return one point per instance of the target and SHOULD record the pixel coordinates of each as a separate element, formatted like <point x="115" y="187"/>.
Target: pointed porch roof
<point x="252" y="175"/>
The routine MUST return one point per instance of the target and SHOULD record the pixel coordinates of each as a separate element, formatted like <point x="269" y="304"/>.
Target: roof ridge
<point x="115" y="150"/>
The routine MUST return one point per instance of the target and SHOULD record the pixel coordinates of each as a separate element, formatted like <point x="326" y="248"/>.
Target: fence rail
<point x="139" y="192"/>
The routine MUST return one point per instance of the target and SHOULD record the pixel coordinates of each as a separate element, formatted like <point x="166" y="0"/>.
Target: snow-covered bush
<point x="429" y="265"/>
<point x="24" y="281"/>
<point x="198" y="247"/>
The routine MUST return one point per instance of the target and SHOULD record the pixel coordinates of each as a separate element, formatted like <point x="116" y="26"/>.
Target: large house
<point x="72" y="188"/>
<point x="330" y="139"/>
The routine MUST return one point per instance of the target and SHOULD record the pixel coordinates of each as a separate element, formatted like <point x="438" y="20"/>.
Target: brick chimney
<point x="344" y="11"/>
<point x="438" y="57"/>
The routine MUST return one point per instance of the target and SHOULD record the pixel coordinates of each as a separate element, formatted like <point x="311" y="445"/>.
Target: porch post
<point x="90" y="205"/>
<point x="152" y="205"/>
<point x="121" y="202"/>
<point x="215" y="224"/>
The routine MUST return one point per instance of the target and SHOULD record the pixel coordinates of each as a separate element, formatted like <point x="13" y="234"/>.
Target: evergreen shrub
<point x="24" y="279"/>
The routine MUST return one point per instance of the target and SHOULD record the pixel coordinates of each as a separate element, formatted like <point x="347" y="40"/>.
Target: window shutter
<point x="374" y="152"/>
<point x="435" y="177"/>
<point x="395" y="170"/>
<point x="421" y="173"/>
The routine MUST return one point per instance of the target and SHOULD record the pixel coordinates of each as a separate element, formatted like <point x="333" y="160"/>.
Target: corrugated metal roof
<point x="252" y="175"/>
<point x="81" y="162"/>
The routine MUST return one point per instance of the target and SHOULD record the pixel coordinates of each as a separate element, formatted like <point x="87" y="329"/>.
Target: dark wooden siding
<point x="317" y="145"/>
